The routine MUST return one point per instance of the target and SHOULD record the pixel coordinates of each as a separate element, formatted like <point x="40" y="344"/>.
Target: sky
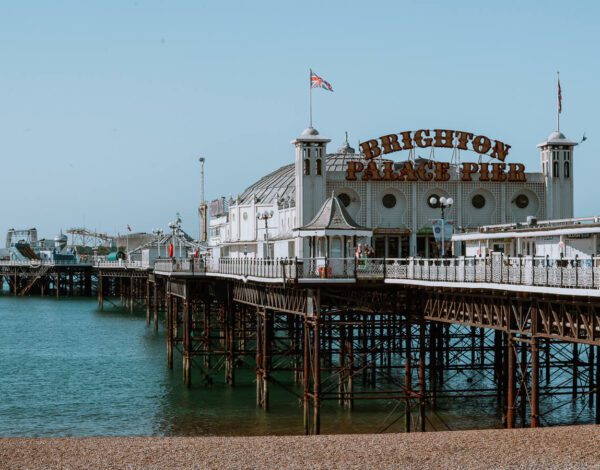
<point x="105" y="106"/>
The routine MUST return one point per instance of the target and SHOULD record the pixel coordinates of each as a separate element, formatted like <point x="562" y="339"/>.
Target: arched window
<point x="319" y="166"/>
<point x="555" y="169"/>
<point x="307" y="167"/>
<point x="566" y="170"/>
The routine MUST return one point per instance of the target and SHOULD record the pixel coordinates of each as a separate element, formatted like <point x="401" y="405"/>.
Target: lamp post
<point x="266" y="215"/>
<point x="158" y="233"/>
<point x="442" y="203"/>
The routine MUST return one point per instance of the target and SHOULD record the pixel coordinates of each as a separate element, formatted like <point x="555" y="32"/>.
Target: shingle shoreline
<point x="558" y="447"/>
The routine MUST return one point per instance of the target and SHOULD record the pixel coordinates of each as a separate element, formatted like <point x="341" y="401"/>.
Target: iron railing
<point x="497" y="269"/>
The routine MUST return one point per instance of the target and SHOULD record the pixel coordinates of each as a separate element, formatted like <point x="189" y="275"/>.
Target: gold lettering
<point x="388" y="171"/>
<point x="422" y="172"/>
<point x="467" y="170"/>
<point x="498" y="172"/>
<point x="500" y="150"/>
<point x="481" y="144"/>
<point x="484" y="172"/>
<point x="419" y="138"/>
<point x="371" y="149"/>
<point x="352" y="169"/>
<point x="407" y="140"/>
<point x="463" y="138"/>
<point x="443" y="138"/>
<point x="390" y="143"/>
<point x="516" y="172"/>
<point x="441" y="171"/>
<point x="407" y="172"/>
<point x="371" y="172"/>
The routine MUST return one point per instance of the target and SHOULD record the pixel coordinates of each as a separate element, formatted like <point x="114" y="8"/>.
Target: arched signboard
<point x="428" y="170"/>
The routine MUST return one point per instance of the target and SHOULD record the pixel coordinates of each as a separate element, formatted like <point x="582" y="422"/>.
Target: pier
<point x="405" y="330"/>
<point x="345" y="330"/>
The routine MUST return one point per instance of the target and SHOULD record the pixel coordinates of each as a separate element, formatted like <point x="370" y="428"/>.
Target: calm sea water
<point x="67" y="369"/>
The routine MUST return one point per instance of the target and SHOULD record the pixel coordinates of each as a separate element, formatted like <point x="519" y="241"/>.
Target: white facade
<point x="397" y="211"/>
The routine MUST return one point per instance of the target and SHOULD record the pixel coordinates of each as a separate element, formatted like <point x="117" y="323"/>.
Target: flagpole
<point x="558" y="104"/>
<point x="310" y="97"/>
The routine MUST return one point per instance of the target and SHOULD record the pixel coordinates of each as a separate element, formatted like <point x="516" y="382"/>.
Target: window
<point x="344" y="199"/>
<point x="437" y="201"/>
<point x="478" y="201"/>
<point x="319" y="166"/>
<point x="555" y="169"/>
<point x="388" y="201"/>
<point x="522" y="201"/>
<point x="307" y="167"/>
<point x="566" y="170"/>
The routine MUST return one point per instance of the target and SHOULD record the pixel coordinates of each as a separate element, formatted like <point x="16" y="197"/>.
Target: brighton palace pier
<point x="281" y="293"/>
<point x="390" y="202"/>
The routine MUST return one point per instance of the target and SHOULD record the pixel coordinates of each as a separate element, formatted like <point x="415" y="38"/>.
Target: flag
<point x="128" y="227"/>
<point x="559" y="98"/>
<point x="318" y="82"/>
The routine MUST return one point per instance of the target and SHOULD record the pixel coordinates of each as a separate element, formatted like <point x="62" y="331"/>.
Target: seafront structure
<point x="518" y="332"/>
<point x="397" y="200"/>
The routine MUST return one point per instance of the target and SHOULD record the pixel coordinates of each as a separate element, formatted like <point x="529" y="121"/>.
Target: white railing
<point x="273" y="268"/>
<point x="180" y="265"/>
<point x="583" y="273"/>
<point x="527" y="271"/>
<point x="34" y="263"/>
<point x="125" y="264"/>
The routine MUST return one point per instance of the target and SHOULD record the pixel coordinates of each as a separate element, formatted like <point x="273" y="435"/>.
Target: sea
<point x="68" y="369"/>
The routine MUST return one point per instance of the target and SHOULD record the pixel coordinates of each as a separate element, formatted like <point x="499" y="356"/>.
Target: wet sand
<point x="558" y="447"/>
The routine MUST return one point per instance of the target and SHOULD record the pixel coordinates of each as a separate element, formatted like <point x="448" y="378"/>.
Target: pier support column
<point x="100" y="292"/>
<point x="155" y="306"/>
<point x="230" y="348"/>
<point x="510" y="382"/>
<point x="259" y="357"/>
<point x="148" y="303"/>
<point x="187" y="344"/>
<point x="316" y="378"/>
<point x="535" y="388"/>
<point x="422" y="390"/>
<point x="597" y="420"/>
<point x="169" y="324"/>
<point x="408" y="374"/>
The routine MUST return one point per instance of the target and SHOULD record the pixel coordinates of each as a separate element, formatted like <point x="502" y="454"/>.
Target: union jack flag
<point x="318" y="82"/>
<point x="559" y="98"/>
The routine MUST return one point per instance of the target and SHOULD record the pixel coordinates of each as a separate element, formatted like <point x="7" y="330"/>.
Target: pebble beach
<point x="558" y="447"/>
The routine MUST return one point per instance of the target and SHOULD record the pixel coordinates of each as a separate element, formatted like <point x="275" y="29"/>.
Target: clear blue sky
<point x="105" y="106"/>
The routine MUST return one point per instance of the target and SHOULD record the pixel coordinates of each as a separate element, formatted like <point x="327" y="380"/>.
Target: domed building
<point x="389" y="205"/>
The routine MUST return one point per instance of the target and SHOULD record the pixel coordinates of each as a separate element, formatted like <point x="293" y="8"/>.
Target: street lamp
<point x="158" y="233"/>
<point x="266" y="215"/>
<point x="442" y="203"/>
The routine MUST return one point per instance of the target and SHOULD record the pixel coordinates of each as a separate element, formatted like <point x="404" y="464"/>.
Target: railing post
<point x="561" y="269"/>
<point x="576" y="270"/>
<point x="520" y="269"/>
<point x="593" y="283"/>
<point x="501" y="266"/>
<point x="384" y="268"/>
<point x="547" y="269"/>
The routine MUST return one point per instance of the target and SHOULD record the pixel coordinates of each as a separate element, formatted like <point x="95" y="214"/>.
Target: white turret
<point x="310" y="172"/>
<point x="556" y="155"/>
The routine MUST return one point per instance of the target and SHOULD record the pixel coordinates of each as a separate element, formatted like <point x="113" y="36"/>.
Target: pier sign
<point x="427" y="170"/>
